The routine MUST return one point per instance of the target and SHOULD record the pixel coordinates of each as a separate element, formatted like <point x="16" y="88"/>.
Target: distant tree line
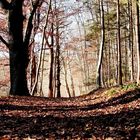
<point x="116" y="23"/>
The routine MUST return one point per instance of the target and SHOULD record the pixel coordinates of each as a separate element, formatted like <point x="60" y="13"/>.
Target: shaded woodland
<point x="70" y="69"/>
<point x="93" y="116"/>
<point x="68" y="47"/>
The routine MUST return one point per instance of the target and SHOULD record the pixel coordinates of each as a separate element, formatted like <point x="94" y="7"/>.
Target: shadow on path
<point x="123" y="125"/>
<point x="123" y="99"/>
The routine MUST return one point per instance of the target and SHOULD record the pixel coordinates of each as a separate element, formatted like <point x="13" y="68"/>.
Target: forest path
<point x="99" y="115"/>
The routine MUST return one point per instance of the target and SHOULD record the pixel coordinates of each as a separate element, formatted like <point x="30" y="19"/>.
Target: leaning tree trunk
<point x="98" y="76"/>
<point x="17" y="51"/>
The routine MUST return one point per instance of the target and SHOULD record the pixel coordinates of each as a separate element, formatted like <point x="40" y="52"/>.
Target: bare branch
<point x="30" y="26"/>
<point x="4" y="41"/>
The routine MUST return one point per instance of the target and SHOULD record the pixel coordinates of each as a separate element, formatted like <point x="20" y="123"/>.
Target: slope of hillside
<point x="102" y="114"/>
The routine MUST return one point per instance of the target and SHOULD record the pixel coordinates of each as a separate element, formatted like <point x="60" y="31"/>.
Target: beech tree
<point x="18" y="44"/>
<point x="101" y="45"/>
<point x="119" y="45"/>
<point x="118" y="65"/>
<point x="137" y="28"/>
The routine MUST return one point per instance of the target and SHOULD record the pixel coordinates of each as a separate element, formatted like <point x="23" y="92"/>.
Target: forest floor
<point x="111" y="114"/>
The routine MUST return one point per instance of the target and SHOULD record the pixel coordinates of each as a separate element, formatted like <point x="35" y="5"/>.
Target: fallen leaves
<point x="94" y="116"/>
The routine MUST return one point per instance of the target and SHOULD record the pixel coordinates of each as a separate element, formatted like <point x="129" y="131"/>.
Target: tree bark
<point x="137" y="28"/>
<point x="58" y="83"/>
<point x="41" y="51"/>
<point x="72" y="82"/>
<point x="98" y="76"/>
<point x="119" y="45"/>
<point x="66" y="79"/>
<point x="50" y="94"/>
<point x="51" y="72"/>
<point x="130" y="41"/>
<point x="17" y="51"/>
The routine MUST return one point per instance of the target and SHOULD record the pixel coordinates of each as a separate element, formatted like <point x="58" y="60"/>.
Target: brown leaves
<point x="94" y="116"/>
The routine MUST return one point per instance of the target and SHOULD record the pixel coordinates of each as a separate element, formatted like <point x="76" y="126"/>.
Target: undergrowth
<point x="114" y="90"/>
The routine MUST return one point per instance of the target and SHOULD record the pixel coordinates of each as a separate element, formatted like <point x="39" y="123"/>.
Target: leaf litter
<point x="94" y="116"/>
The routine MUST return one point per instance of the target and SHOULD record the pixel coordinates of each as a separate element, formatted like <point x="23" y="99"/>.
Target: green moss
<point x="111" y="92"/>
<point x="129" y="86"/>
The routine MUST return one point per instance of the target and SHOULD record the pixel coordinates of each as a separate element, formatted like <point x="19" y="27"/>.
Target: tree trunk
<point x="109" y="46"/>
<point x="126" y="58"/>
<point x="42" y="73"/>
<point x="98" y="76"/>
<point x="119" y="45"/>
<point x="18" y="53"/>
<point x="66" y="79"/>
<point x="130" y="39"/>
<point x="41" y="52"/>
<point x="72" y="82"/>
<point x="51" y="72"/>
<point x="58" y="83"/>
<point x="32" y="69"/>
<point x="137" y="28"/>
<point x="50" y="94"/>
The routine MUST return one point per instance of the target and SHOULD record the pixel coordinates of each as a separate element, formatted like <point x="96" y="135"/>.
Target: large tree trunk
<point x="18" y="74"/>
<point x="17" y="51"/>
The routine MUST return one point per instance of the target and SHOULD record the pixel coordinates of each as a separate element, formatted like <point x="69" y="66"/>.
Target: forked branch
<point x="4" y="41"/>
<point x="5" y="4"/>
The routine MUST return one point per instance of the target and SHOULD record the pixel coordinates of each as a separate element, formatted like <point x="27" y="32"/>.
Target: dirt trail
<point x="94" y="116"/>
